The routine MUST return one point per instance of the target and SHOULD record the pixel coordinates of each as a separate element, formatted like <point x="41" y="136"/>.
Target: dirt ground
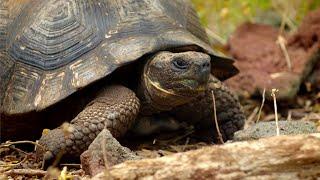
<point x="18" y="158"/>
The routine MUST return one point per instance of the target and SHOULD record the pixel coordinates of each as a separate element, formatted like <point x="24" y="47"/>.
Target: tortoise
<point x="104" y="64"/>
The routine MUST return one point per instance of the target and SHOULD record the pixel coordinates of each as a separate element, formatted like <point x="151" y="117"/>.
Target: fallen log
<point x="290" y="157"/>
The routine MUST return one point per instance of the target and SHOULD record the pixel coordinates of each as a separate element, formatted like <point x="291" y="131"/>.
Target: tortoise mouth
<point x="183" y="88"/>
<point x="190" y="85"/>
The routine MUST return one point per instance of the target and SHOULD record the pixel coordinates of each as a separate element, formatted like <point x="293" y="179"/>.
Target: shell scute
<point x="65" y="45"/>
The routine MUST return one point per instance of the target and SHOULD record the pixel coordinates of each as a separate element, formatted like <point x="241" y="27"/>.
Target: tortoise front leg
<point x="115" y="107"/>
<point x="200" y="111"/>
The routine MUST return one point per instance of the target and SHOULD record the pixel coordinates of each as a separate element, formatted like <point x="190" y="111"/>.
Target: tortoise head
<point x="176" y="78"/>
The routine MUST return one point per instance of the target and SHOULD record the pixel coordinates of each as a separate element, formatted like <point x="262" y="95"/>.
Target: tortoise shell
<point x="51" y="48"/>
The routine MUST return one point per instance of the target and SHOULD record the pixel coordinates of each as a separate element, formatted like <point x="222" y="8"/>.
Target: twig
<point x="185" y="144"/>
<point x="289" y="115"/>
<point x="250" y="120"/>
<point x="9" y="143"/>
<point x="215" y="118"/>
<point x="173" y="140"/>
<point x="71" y="165"/>
<point x="29" y="172"/>
<point x="12" y="165"/>
<point x="178" y="138"/>
<point x="4" y="169"/>
<point x="283" y="24"/>
<point x="16" y="164"/>
<point x="282" y="43"/>
<point x="262" y="103"/>
<point x="285" y="20"/>
<point x="18" y="150"/>
<point x="275" y="109"/>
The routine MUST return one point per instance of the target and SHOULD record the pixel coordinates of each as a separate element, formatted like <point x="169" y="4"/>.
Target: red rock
<point x="262" y="63"/>
<point x="309" y="30"/>
<point x="314" y="78"/>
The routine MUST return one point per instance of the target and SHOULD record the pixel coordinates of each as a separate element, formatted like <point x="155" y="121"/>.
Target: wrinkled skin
<point x="170" y="82"/>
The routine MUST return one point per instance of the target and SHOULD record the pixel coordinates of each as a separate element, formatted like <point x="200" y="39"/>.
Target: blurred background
<point x="277" y="49"/>
<point x="221" y="17"/>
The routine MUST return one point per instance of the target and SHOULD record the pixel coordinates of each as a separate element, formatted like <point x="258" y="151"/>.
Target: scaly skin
<point x="200" y="111"/>
<point x="170" y="83"/>
<point x="116" y="107"/>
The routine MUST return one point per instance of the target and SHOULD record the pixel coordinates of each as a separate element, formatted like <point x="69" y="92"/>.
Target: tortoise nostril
<point x="205" y="66"/>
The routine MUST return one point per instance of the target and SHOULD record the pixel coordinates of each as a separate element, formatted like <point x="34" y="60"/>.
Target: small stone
<point x="92" y="160"/>
<point x="268" y="129"/>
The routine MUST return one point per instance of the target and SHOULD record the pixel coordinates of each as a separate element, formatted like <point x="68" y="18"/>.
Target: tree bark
<point x="289" y="157"/>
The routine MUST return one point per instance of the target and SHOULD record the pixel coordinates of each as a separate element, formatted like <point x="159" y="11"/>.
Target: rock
<point x="262" y="63"/>
<point x="314" y="78"/>
<point x="92" y="160"/>
<point x="309" y="31"/>
<point x="308" y="35"/>
<point x="268" y="129"/>
<point x="280" y="157"/>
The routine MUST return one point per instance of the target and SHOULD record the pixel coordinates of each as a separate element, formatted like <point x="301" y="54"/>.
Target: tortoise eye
<point x="180" y="64"/>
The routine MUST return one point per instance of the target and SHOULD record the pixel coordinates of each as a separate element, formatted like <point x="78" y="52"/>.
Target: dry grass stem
<point x="250" y="119"/>
<point x="185" y="144"/>
<point x="18" y="150"/>
<point x="289" y="115"/>
<point x="9" y="143"/>
<point x="13" y="165"/>
<point x="215" y="118"/>
<point x="273" y="94"/>
<point x="283" y="8"/>
<point x="178" y="138"/>
<point x="72" y="165"/>
<point x="262" y="104"/>
<point x="282" y="43"/>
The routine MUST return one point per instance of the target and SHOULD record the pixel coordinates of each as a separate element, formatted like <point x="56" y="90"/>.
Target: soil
<point x="19" y="163"/>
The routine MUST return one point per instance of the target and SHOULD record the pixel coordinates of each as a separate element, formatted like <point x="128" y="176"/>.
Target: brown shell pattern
<point x="51" y="48"/>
